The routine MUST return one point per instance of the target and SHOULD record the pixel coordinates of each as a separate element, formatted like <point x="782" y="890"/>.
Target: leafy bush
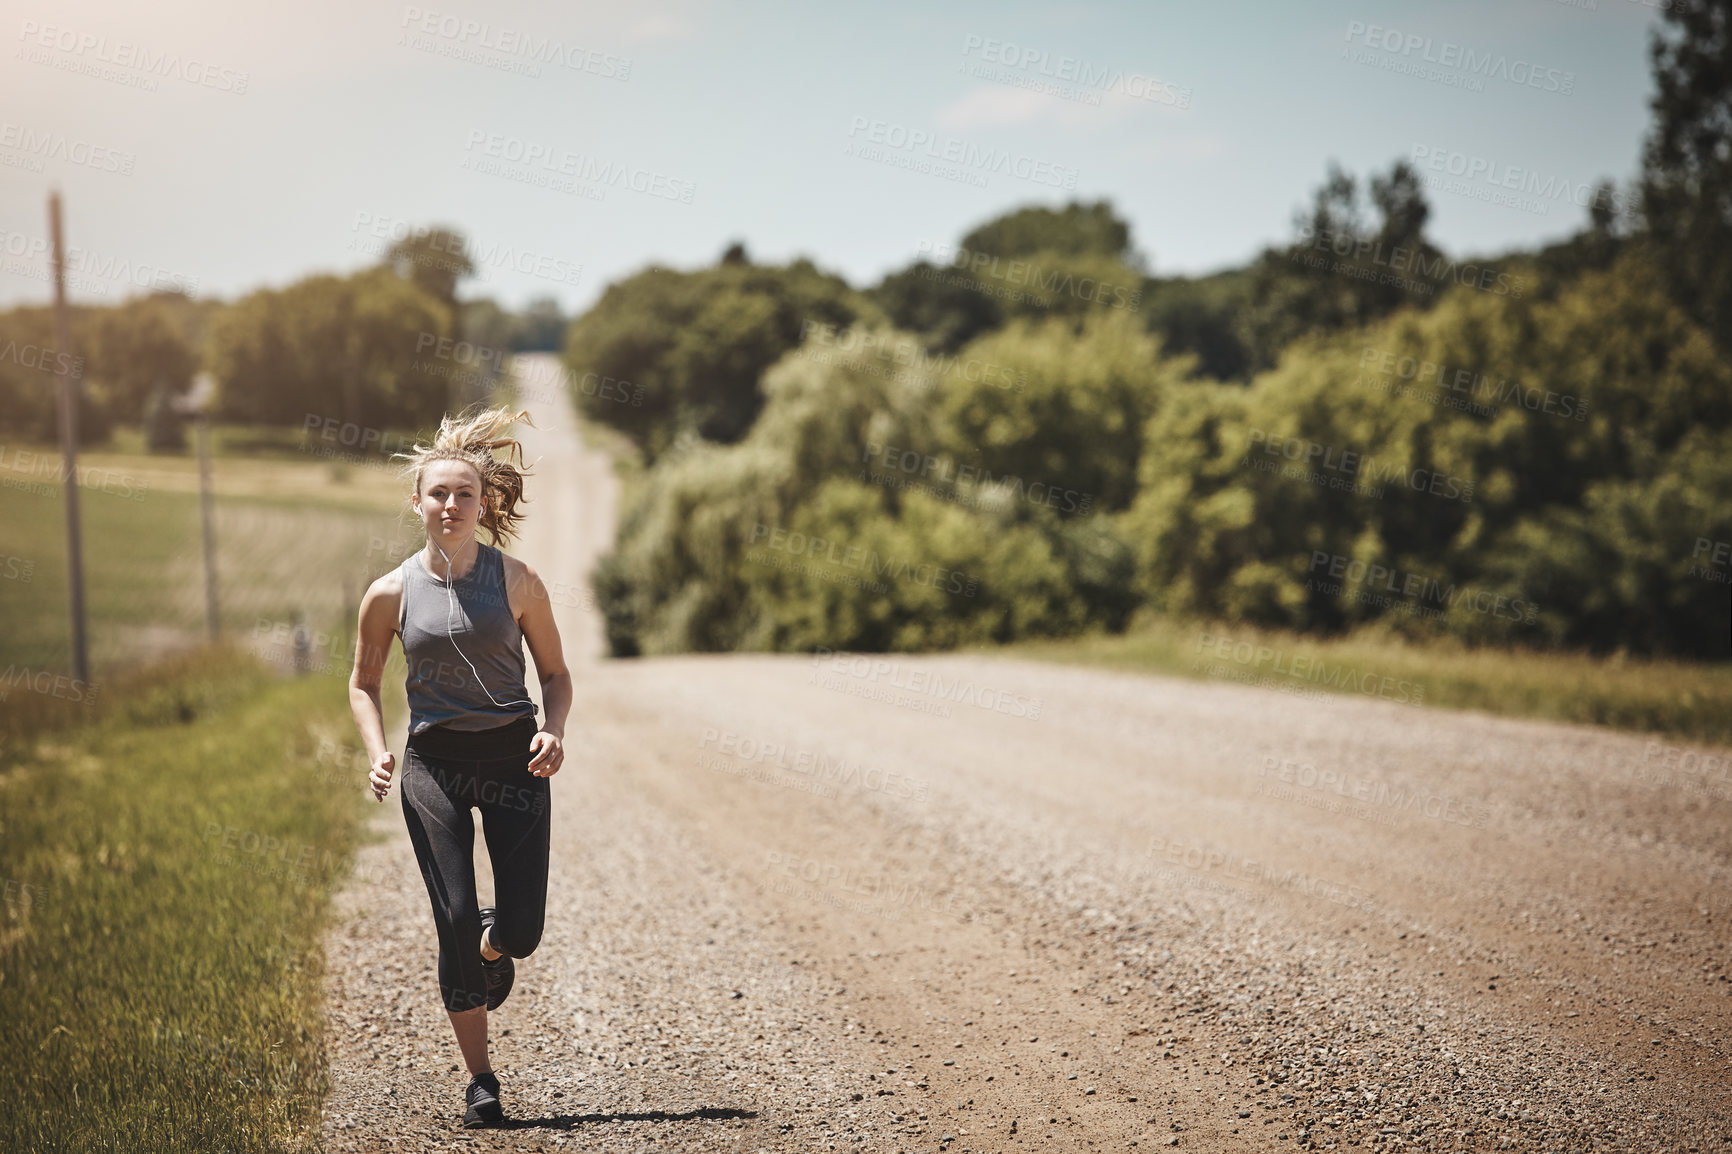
<point x="799" y="536"/>
<point x="1539" y="438"/>
<point x="1061" y="404"/>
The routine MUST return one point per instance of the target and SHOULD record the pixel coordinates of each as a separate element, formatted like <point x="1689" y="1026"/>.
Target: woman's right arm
<point x="373" y="633"/>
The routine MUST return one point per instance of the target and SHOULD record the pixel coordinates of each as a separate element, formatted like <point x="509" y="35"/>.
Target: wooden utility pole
<point x="204" y="507"/>
<point x="205" y="392"/>
<point x="69" y="446"/>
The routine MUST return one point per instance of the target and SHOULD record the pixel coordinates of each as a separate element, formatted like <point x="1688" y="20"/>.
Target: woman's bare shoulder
<point x="514" y="566"/>
<point x="520" y="576"/>
<point x="385" y="591"/>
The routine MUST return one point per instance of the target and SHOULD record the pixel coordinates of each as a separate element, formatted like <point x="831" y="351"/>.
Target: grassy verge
<point x="1679" y="699"/>
<point x="167" y="871"/>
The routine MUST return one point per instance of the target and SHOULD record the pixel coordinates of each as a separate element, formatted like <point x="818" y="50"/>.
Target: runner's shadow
<point x="572" y="1121"/>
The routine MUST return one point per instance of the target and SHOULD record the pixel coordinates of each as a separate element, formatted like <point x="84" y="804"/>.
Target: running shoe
<point x="501" y="971"/>
<point x="481" y="1100"/>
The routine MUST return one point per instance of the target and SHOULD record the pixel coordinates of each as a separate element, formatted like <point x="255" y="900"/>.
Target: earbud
<point x="449" y="593"/>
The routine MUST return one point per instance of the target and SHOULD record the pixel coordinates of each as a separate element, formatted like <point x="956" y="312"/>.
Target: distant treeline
<point x="1029" y="433"/>
<point x="1026" y="434"/>
<point x="1552" y="469"/>
<point x="387" y="347"/>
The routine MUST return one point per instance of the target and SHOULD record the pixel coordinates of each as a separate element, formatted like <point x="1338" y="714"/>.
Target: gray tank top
<point x="441" y="684"/>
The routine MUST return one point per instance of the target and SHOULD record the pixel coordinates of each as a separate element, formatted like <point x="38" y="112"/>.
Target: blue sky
<point x="225" y="148"/>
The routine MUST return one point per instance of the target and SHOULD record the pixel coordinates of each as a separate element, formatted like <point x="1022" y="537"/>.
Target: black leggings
<point x="445" y="773"/>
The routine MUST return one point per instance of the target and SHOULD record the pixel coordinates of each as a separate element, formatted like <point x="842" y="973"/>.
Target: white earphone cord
<point x="452" y="608"/>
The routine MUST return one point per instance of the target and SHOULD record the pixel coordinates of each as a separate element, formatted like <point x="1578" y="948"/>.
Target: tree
<point x="365" y="349"/>
<point x="1595" y="248"/>
<point x="1059" y="406"/>
<point x="1035" y="263"/>
<point x="1077" y="229"/>
<point x="1686" y="189"/>
<point x="785" y="540"/>
<point x="1341" y="272"/>
<point x="31" y="370"/>
<point x="435" y="259"/>
<point x="944" y="305"/>
<point x="665" y="355"/>
<point x="1561" y="453"/>
<point x="1199" y="316"/>
<point x="540" y="328"/>
<point x="134" y="352"/>
<point x="485" y="323"/>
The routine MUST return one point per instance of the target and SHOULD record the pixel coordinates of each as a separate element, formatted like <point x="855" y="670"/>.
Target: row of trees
<point x="363" y="347"/>
<point x="1540" y="472"/>
<point x="996" y="443"/>
<point x="127" y="359"/>
<point x="1027" y="433"/>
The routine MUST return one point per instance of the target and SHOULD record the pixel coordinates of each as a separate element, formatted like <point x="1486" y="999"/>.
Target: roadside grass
<point x="1683" y="700"/>
<point x="167" y="872"/>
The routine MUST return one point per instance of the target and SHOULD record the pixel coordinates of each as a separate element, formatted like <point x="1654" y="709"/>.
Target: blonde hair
<point x="472" y="436"/>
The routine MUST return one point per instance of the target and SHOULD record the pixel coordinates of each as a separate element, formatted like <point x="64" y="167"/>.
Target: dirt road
<point x="962" y="904"/>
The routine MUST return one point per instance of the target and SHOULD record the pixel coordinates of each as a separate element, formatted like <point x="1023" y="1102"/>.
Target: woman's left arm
<point x="534" y="611"/>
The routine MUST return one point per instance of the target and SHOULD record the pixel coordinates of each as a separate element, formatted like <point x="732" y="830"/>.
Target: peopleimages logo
<point x="1476" y="385"/>
<point x="952" y="150"/>
<point x="1301" y="669"/>
<point x="910" y="354"/>
<point x="546" y="160"/>
<point x="125" y="54"/>
<point x="59" y="146"/>
<point x="1022" y="273"/>
<point x="1416" y="587"/>
<point x="1460" y="58"/>
<point x="42" y="359"/>
<point x="945" y="470"/>
<point x="819" y="767"/>
<point x="1352" y="469"/>
<point x="1499" y="177"/>
<point x="1410" y="261"/>
<point x="1417" y="799"/>
<point x="86" y="268"/>
<point x="515" y="42"/>
<point x="1072" y="69"/>
<point x="47" y="684"/>
<point x="382" y="231"/>
<point x="858" y="557"/>
<point x="1715" y="565"/>
<point x="961" y="689"/>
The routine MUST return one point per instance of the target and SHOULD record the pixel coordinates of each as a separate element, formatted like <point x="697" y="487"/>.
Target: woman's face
<point x="450" y="501"/>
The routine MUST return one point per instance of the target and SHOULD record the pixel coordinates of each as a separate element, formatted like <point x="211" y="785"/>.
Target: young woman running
<point x="463" y="610"/>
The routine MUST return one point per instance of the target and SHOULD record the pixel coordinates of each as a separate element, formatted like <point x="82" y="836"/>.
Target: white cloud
<point x="1003" y="105"/>
<point x="994" y="107"/>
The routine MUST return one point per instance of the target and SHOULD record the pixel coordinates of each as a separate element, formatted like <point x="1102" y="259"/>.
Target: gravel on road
<point x="967" y="904"/>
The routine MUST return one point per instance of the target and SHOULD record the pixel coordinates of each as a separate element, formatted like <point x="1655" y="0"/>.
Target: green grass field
<point x="1688" y="701"/>
<point x="167" y="872"/>
<point x="294" y="536"/>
